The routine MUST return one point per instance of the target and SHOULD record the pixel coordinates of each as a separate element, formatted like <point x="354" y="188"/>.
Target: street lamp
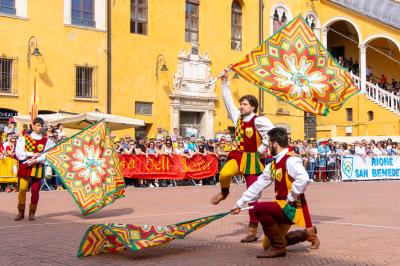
<point x="161" y="60"/>
<point x="32" y="43"/>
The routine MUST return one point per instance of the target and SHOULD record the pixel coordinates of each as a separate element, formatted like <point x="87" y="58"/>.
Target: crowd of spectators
<point x="8" y="140"/>
<point x="321" y="159"/>
<point x="163" y="143"/>
<point x="392" y="86"/>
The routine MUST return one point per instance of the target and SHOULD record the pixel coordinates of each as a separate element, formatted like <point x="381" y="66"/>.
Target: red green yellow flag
<point x="89" y="168"/>
<point x="110" y="238"/>
<point x="295" y="67"/>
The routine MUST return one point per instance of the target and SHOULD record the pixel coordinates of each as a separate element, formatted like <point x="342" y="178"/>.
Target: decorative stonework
<point x="193" y="90"/>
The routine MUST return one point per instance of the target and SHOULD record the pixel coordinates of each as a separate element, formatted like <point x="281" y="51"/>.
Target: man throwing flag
<point x="290" y="206"/>
<point x="252" y="140"/>
<point x="28" y="150"/>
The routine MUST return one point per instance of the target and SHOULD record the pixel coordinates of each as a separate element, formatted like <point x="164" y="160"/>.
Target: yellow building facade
<point x="72" y="67"/>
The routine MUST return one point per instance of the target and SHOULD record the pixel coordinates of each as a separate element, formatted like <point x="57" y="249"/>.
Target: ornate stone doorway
<point x="193" y="99"/>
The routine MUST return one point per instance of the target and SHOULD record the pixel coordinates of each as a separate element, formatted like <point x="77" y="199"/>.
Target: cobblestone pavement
<point x="358" y="224"/>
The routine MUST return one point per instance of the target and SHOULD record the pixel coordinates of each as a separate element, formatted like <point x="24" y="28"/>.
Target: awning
<point x="114" y="122"/>
<point x="80" y="121"/>
<point x="51" y="119"/>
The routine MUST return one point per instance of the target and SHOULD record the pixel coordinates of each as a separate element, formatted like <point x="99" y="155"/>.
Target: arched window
<point x="236" y="39"/>
<point x="370" y="115"/>
<point x="314" y="23"/>
<point x="279" y="19"/>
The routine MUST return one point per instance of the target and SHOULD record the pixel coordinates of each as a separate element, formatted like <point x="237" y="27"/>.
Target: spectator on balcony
<point x="356" y="67"/>
<point x="383" y="82"/>
<point x="368" y="73"/>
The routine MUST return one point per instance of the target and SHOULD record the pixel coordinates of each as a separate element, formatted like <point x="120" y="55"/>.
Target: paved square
<point x="358" y="224"/>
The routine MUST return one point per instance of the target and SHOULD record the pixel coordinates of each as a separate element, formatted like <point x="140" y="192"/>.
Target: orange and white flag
<point x="34" y="100"/>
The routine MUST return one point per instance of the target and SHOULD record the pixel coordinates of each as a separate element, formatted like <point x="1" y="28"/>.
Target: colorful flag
<point x="89" y="168"/>
<point x="109" y="238"/>
<point x="295" y="67"/>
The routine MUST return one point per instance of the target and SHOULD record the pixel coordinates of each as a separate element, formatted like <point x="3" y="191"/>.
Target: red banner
<point x="168" y="167"/>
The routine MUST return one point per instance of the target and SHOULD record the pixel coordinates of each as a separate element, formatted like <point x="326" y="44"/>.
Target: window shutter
<point x="67" y="12"/>
<point x="100" y="14"/>
<point x="21" y="8"/>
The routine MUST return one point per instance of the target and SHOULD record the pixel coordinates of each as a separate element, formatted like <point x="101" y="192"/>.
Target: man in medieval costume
<point x="289" y="207"/>
<point x="252" y="140"/>
<point x="29" y="151"/>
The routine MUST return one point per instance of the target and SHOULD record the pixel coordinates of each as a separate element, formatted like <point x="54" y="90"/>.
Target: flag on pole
<point x="34" y="100"/>
<point x="294" y="66"/>
<point x="89" y="168"/>
<point x="109" y="238"/>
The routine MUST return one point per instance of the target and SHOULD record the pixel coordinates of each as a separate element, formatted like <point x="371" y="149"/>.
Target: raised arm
<point x="233" y="111"/>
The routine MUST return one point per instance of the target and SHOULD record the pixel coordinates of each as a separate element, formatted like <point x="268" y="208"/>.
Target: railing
<point x="379" y="95"/>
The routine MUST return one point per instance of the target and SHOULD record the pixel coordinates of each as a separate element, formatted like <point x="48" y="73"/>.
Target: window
<point x="86" y="82"/>
<point x="8" y="75"/>
<point x="82" y="13"/>
<point x="236" y="40"/>
<point x="313" y="23"/>
<point x="349" y="114"/>
<point x="8" y="7"/>
<point x="370" y="115"/>
<point x="280" y="18"/>
<point x="5" y="75"/>
<point x="139" y="16"/>
<point x="192" y="21"/>
<point x="143" y="108"/>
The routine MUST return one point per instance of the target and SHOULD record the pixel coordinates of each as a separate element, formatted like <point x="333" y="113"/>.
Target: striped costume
<point x="299" y="214"/>
<point x="26" y="147"/>
<point x="35" y="146"/>
<point x="248" y="140"/>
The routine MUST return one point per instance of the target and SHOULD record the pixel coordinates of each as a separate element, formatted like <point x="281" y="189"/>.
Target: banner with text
<point x="168" y="167"/>
<point x="370" y="168"/>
